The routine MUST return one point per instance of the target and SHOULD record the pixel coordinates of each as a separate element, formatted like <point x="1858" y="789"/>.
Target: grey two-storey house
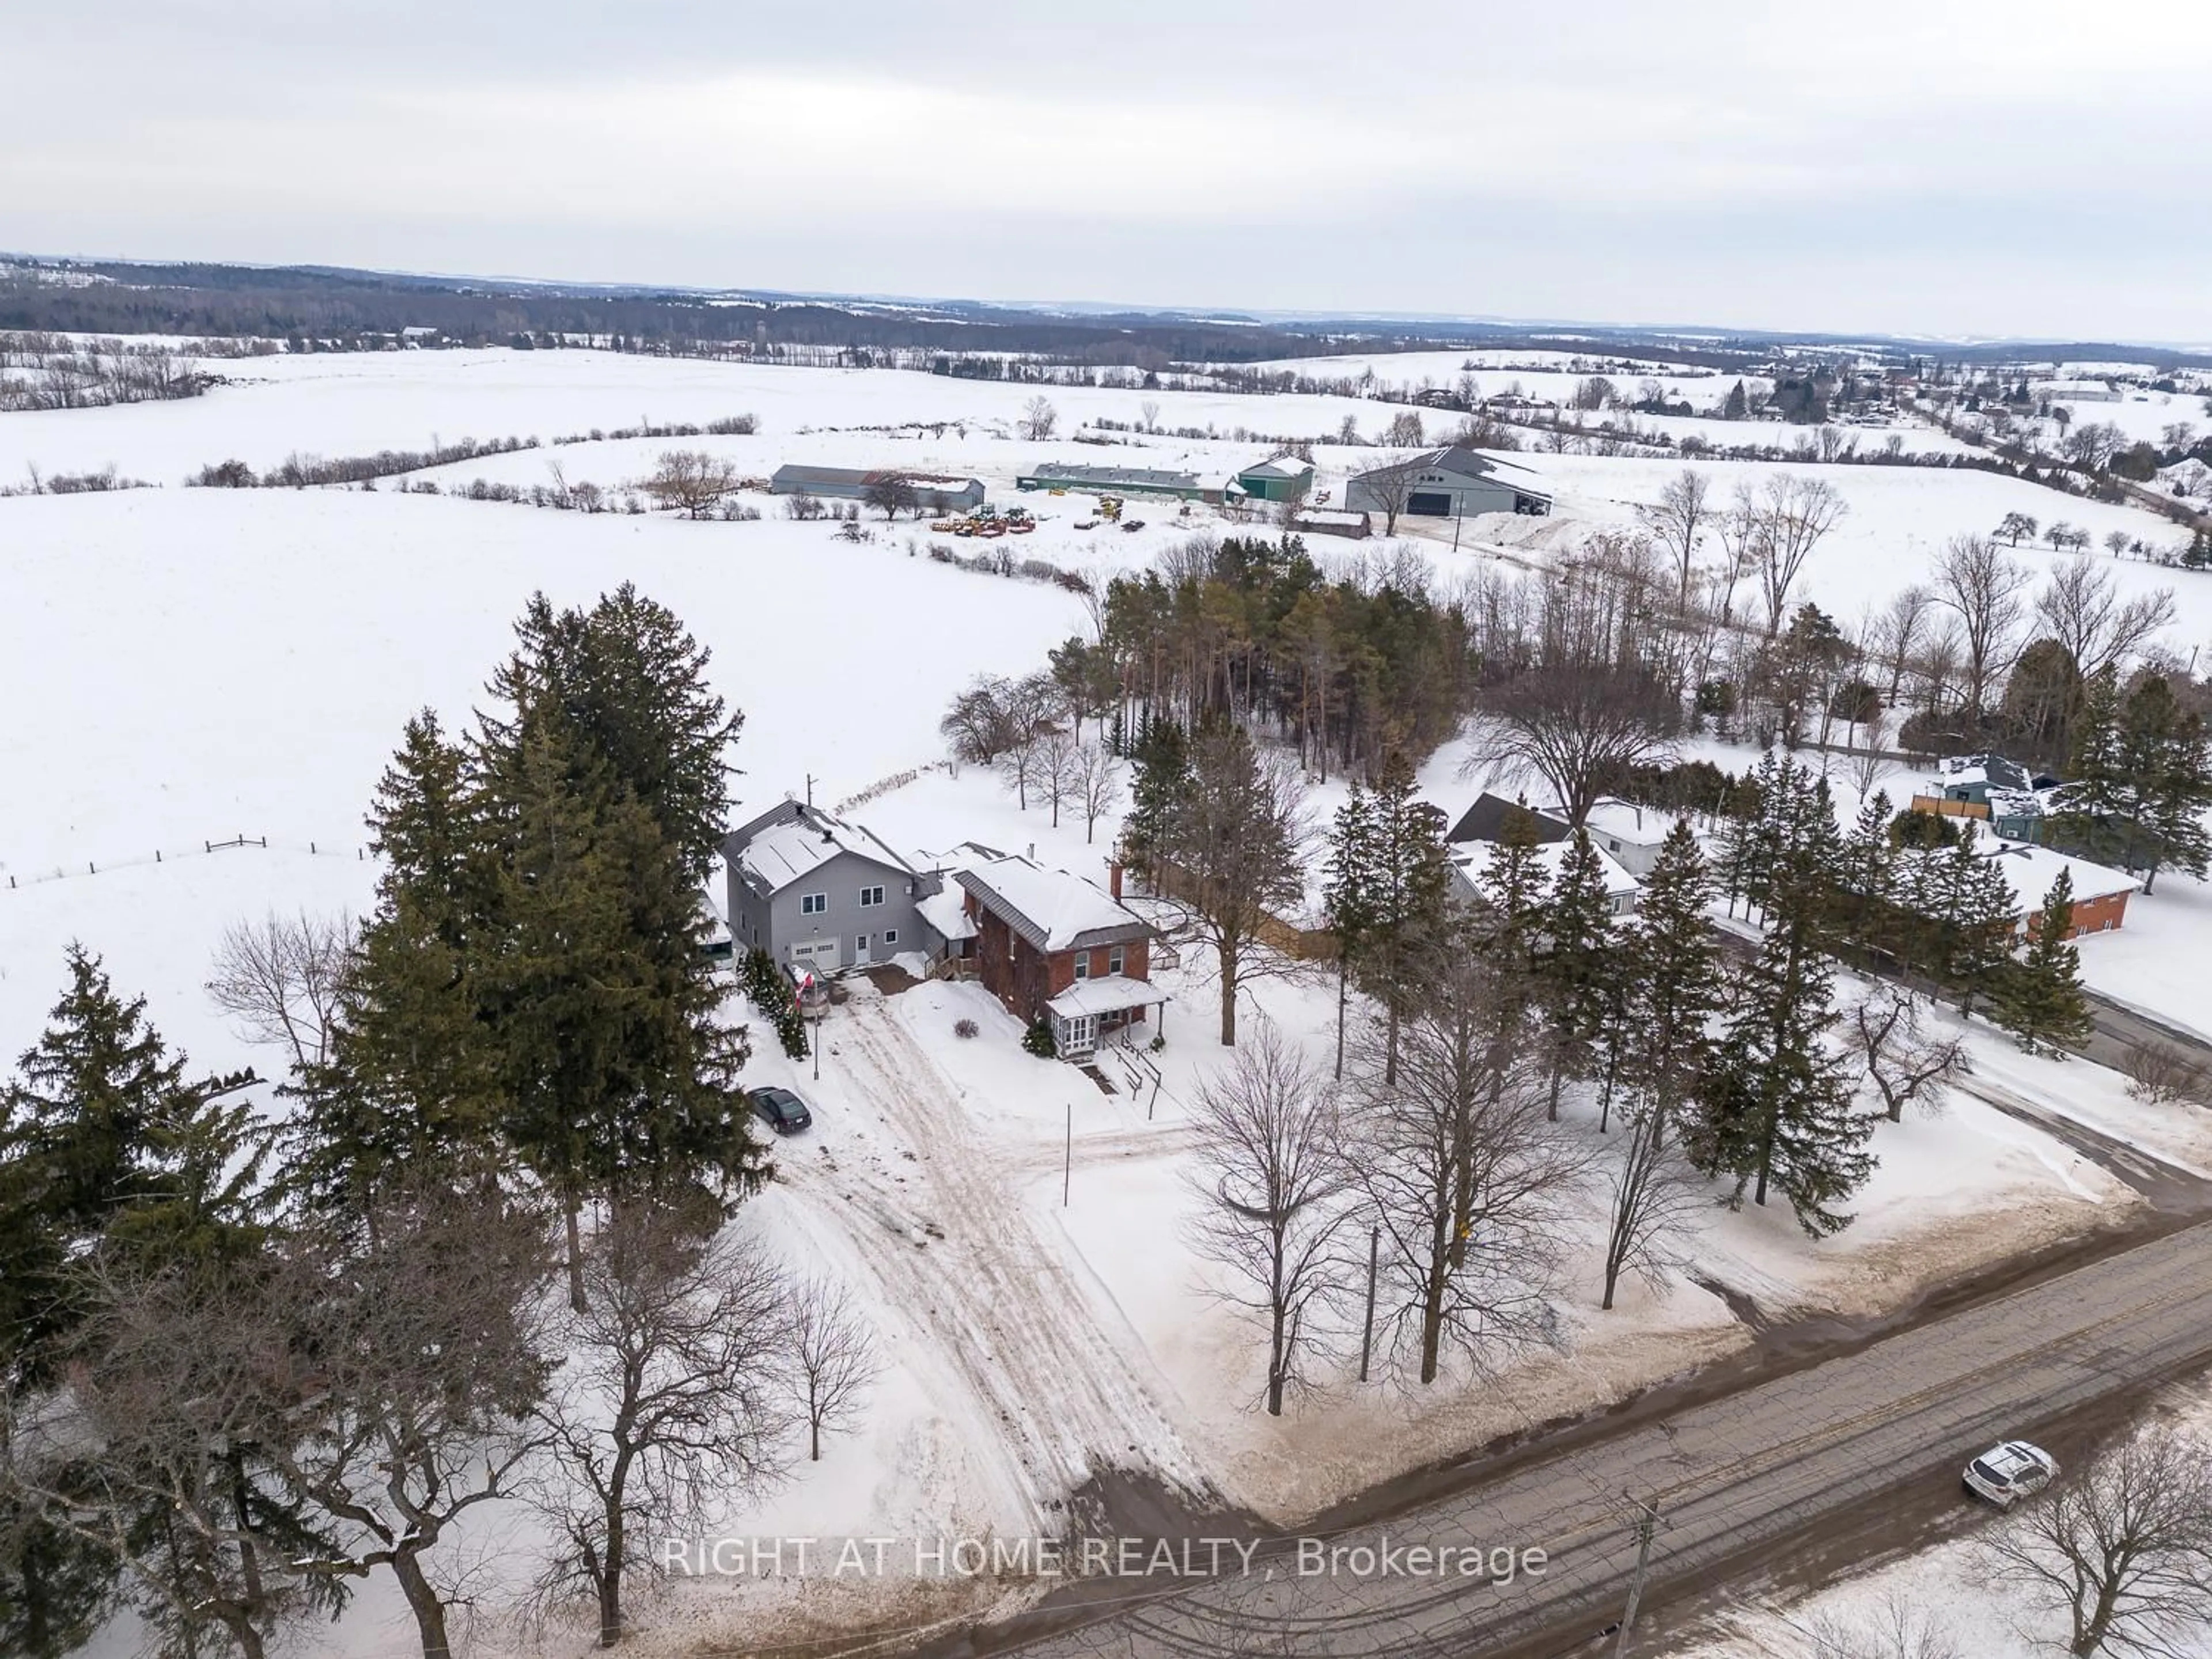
<point x="809" y="887"/>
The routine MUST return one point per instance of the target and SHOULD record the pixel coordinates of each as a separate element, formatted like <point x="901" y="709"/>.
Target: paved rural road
<point x="1742" y="1481"/>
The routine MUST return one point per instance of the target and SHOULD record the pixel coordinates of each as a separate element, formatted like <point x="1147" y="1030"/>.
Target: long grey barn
<point x="1448" y="483"/>
<point x="937" y="492"/>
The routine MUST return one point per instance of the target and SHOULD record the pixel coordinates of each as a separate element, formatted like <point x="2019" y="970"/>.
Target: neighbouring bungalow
<point x="1050" y="944"/>
<point x="1486" y="821"/>
<point x="2010" y="798"/>
<point x="1621" y="889"/>
<point x="1630" y="835"/>
<point x="2100" y="895"/>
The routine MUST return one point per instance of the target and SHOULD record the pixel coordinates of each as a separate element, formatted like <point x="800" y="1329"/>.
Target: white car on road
<point x="2010" y="1470"/>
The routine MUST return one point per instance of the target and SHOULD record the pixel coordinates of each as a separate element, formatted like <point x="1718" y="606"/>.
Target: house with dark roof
<point x="1454" y="483"/>
<point x="934" y="492"/>
<point x="811" y="888"/>
<point x="1050" y="944"/>
<point x="1486" y="821"/>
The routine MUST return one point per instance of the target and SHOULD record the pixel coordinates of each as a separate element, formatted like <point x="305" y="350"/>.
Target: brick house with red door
<point x="1050" y="944"/>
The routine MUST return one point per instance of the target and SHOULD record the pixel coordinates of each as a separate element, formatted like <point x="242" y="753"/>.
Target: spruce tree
<point x="632" y="684"/>
<point x="1976" y="920"/>
<point x="1510" y="893"/>
<point x="2164" y="753"/>
<point x="2094" y="810"/>
<point x="1776" y="1106"/>
<point x="1161" y="782"/>
<point x="1661" y="1045"/>
<point x="1577" y="964"/>
<point x="1867" y="900"/>
<point x="1348" y="895"/>
<point x="2038" y="998"/>
<point x="1410" y="877"/>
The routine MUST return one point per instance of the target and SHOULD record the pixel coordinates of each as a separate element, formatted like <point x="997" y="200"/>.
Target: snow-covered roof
<point x="1053" y="909"/>
<point x="795" y="841"/>
<point x="1110" y="993"/>
<point x="2031" y="872"/>
<point x="1474" y="863"/>
<point x="944" y="911"/>
<point x="1639" y="826"/>
<point x="1281" y="466"/>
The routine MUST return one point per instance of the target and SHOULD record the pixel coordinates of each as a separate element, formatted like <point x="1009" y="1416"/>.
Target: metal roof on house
<point x="792" y="840"/>
<point x="1486" y="821"/>
<point x="1053" y="909"/>
<point x="1109" y="993"/>
<point x="1619" y="883"/>
<point x="1280" y="466"/>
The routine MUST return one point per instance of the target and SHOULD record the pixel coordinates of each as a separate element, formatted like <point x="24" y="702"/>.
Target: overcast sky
<point x="1947" y="166"/>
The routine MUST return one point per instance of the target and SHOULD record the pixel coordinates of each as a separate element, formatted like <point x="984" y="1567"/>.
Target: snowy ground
<point x="183" y="667"/>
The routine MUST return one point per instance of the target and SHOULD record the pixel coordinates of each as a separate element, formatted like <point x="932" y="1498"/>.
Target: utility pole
<point x="1647" y="1524"/>
<point x="1367" y="1333"/>
<point x="1067" y="1169"/>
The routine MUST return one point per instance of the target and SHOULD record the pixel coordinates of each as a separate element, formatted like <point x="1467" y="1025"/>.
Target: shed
<point x="935" y="492"/>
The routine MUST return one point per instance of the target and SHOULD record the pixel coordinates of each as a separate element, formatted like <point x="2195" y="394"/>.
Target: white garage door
<point x="820" y="954"/>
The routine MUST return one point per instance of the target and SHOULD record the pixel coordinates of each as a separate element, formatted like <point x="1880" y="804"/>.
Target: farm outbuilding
<point x="1284" y="478"/>
<point x="935" y="492"/>
<point x="1131" y="481"/>
<point x="1448" y="483"/>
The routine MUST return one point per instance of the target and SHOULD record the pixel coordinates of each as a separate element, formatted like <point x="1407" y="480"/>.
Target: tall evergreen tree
<point x="1578" y="964"/>
<point x="2163" y="755"/>
<point x="1975" y="921"/>
<point x="1777" y="1103"/>
<point x="1349" y="896"/>
<point x="632" y="682"/>
<point x="1161" y="780"/>
<point x="2039" y="999"/>
<point x="1410" y="878"/>
<point x="1661" y="1044"/>
<point x="1505" y="927"/>
<point x="2095" y="808"/>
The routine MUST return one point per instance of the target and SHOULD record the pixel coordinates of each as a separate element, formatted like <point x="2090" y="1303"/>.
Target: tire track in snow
<point x="955" y="1243"/>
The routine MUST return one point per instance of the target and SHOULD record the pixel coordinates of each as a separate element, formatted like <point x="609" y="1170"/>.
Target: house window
<point x="891" y="936"/>
<point x="1083" y="964"/>
<point x="870" y="896"/>
<point x="1115" y="959"/>
<point x="813" y="904"/>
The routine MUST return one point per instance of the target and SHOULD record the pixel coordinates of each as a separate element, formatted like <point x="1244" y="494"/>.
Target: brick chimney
<point x="1114" y="877"/>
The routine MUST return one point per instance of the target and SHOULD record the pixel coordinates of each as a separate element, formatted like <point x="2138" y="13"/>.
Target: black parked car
<point x="781" y="1110"/>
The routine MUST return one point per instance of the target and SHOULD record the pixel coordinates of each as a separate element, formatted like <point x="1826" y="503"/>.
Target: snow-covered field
<point x="182" y="667"/>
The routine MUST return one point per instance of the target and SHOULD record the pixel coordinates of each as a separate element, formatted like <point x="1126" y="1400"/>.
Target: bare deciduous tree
<point x="278" y="979"/>
<point x="1655" y="1194"/>
<point x="1232" y="848"/>
<point x="1404" y="431"/>
<point x="1057" y="763"/>
<point x="1272" y="1189"/>
<point x="1578" y="726"/>
<point x="1148" y="411"/>
<point x="1982" y="588"/>
<point x="1039" y="419"/>
<point x="891" y="494"/>
<point x="1097" y="782"/>
<point x="673" y="1396"/>
<point x="1677" y="520"/>
<point x="1791" y="516"/>
<point x="1465" y="1172"/>
<point x="1897" y="632"/>
<point x="173" y="1378"/>
<point x="690" y="479"/>
<point x="1390" y="486"/>
<point x="2121" y="1549"/>
<point x="2161" y="1073"/>
<point x="993" y="715"/>
<point x="1894" y="1630"/>
<point x="832" y="1360"/>
<point x="1905" y="1065"/>
<point x="2083" y="613"/>
<point x="430" y="1360"/>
